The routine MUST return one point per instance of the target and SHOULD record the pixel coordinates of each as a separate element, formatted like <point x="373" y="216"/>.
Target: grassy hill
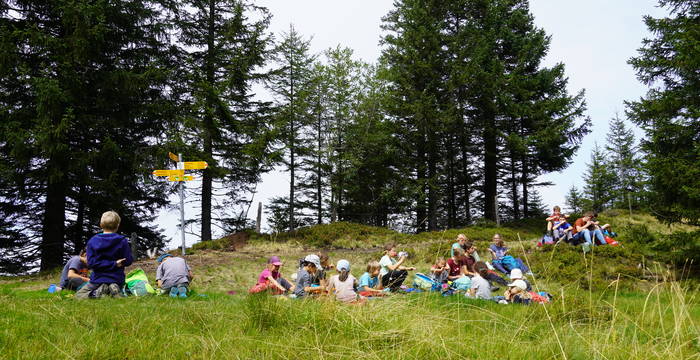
<point x="635" y="301"/>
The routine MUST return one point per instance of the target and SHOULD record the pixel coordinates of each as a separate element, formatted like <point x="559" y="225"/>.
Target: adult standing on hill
<point x="585" y="228"/>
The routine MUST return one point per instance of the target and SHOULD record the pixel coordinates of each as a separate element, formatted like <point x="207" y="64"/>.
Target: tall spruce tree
<point x="292" y="83"/>
<point x="575" y="201"/>
<point x="599" y="188"/>
<point x="623" y="161"/>
<point x="81" y="105"/>
<point x="670" y="112"/>
<point x="224" y="47"/>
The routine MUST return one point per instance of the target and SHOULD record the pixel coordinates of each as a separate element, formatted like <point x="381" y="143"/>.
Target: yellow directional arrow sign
<point x="180" y="178"/>
<point x="195" y="165"/>
<point x="173" y="157"/>
<point x="169" y="173"/>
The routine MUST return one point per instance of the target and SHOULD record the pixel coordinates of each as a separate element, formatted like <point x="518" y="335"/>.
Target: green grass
<point x="606" y="306"/>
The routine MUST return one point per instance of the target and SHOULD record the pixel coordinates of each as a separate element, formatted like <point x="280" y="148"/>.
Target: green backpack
<point x="137" y="283"/>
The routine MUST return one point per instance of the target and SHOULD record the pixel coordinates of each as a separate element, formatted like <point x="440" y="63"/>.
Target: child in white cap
<point x="517" y="293"/>
<point x="343" y="284"/>
<point x="517" y="274"/>
<point x="309" y="267"/>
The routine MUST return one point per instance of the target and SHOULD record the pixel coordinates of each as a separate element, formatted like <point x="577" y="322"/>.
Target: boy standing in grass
<point x="173" y="275"/>
<point x="107" y="255"/>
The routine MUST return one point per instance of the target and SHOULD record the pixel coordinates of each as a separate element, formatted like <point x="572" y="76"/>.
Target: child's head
<point x="440" y="262"/>
<point x="162" y="258"/>
<point x="470" y="248"/>
<point x="497" y="240"/>
<point x="457" y="252"/>
<point x="343" y="267"/>
<point x="461" y="239"/>
<point x="517" y="286"/>
<point x="274" y="263"/>
<point x="312" y="263"/>
<point x="110" y="221"/>
<point x="562" y="218"/>
<point x="481" y="268"/>
<point x="390" y="249"/>
<point x="373" y="268"/>
<point x="83" y="255"/>
<point x="557" y="209"/>
<point x="324" y="259"/>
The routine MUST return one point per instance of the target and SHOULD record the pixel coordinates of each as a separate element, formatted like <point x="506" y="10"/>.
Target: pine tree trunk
<point x="79" y="240"/>
<point x="319" y="199"/>
<point x="514" y="186"/>
<point x="421" y="211"/>
<point x="53" y="225"/>
<point x="526" y="212"/>
<point x="490" y="165"/>
<point x="432" y="175"/>
<point x="208" y="127"/>
<point x="451" y="208"/>
<point x="465" y="178"/>
<point x="292" y="138"/>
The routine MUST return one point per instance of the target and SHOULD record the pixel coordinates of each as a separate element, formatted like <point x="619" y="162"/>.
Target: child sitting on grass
<point x="499" y="250"/>
<point x="481" y="289"/>
<point x="271" y="279"/>
<point x="517" y="293"/>
<point x="75" y="272"/>
<point x="173" y="275"/>
<point x="392" y="272"/>
<point x="343" y="284"/>
<point x="369" y="281"/>
<point x="108" y="254"/>
<point x="561" y="229"/>
<point x="440" y="271"/>
<point x="304" y="286"/>
<point x="457" y="265"/>
<point x="517" y="274"/>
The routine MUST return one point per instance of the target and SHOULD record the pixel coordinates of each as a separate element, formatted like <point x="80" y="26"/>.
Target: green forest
<point x="451" y="126"/>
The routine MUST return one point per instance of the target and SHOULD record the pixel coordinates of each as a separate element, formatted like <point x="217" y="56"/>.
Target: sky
<point x="593" y="38"/>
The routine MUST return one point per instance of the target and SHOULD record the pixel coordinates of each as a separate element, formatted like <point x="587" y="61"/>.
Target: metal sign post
<point x="179" y="176"/>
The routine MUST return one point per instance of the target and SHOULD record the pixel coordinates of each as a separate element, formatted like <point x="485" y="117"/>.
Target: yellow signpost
<point x="178" y="175"/>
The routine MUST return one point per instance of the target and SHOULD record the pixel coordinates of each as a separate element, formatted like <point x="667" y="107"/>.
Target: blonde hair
<point x="373" y="266"/>
<point x="557" y="208"/>
<point x="440" y="260"/>
<point x="110" y="221"/>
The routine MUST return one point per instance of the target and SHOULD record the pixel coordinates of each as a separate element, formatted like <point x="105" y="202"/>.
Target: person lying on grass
<point x="369" y="281"/>
<point x="75" y="272"/>
<point x="393" y="273"/>
<point x="304" y="286"/>
<point x="271" y="279"/>
<point x="173" y="275"/>
<point x="108" y="254"/>
<point x="343" y="284"/>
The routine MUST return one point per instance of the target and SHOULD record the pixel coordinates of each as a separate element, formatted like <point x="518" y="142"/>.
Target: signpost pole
<point x="182" y="207"/>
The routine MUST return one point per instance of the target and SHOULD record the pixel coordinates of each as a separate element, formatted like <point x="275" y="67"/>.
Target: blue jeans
<point x="586" y="234"/>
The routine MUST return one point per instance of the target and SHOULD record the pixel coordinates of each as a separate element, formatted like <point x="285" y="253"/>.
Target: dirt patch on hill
<point x="237" y="241"/>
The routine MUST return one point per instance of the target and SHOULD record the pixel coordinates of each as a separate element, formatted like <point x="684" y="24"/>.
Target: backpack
<point x="137" y="283"/>
<point x="462" y="284"/>
<point x="423" y="282"/>
<point x="509" y="263"/>
<point x="546" y="240"/>
<point x="611" y="241"/>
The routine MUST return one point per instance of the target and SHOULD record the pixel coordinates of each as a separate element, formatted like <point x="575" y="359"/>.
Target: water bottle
<point x="52" y="288"/>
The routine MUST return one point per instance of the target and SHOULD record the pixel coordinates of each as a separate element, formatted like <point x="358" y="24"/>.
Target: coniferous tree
<point x="599" y="188"/>
<point x="669" y="113"/>
<point x="623" y="161"/>
<point x="292" y="84"/>
<point x="82" y="104"/>
<point x="224" y="46"/>
<point x="575" y="201"/>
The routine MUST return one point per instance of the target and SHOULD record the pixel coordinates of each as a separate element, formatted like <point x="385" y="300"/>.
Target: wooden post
<point x="258" y="222"/>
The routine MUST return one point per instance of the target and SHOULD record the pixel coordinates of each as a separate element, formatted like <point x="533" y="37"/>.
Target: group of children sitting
<point x="586" y="230"/>
<point x="463" y="272"/>
<point x="106" y="255"/>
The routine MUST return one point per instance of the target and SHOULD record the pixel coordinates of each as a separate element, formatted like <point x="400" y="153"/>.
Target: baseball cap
<point x="516" y="274"/>
<point x="343" y="265"/>
<point x="520" y="284"/>
<point x="162" y="257"/>
<point x="314" y="259"/>
<point x="274" y="260"/>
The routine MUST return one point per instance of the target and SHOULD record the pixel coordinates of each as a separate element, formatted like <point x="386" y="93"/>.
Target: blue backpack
<point x="509" y="263"/>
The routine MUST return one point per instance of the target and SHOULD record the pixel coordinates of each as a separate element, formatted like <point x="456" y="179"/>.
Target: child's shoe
<point x="173" y="291"/>
<point x="182" y="291"/>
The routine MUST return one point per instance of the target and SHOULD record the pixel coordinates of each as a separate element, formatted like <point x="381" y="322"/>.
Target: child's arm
<point x="397" y="265"/>
<point x="274" y="282"/>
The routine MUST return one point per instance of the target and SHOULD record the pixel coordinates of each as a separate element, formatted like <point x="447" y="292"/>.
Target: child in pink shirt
<point x="271" y="279"/>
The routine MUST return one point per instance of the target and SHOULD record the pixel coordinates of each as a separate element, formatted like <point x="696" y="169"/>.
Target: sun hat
<point x="520" y="284"/>
<point x="343" y="265"/>
<point x="314" y="259"/>
<point x="275" y="260"/>
<point x="162" y="257"/>
<point x="516" y="274"/>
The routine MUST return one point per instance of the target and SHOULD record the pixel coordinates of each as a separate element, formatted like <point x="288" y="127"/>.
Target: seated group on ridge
<point x="106" y="255"/>
<point x="586" y="230"/>
<point x="463" y="272"/>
